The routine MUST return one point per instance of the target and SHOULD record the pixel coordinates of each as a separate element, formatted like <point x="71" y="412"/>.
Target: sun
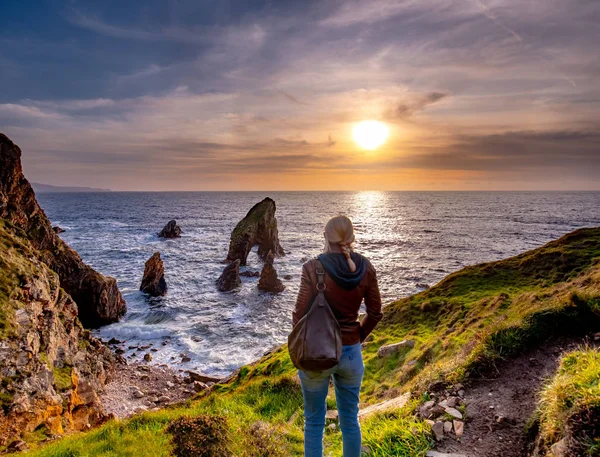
<point x="370" y="134"/>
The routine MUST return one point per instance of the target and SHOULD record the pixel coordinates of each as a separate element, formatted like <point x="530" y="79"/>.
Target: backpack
<point x="315" y="343"/>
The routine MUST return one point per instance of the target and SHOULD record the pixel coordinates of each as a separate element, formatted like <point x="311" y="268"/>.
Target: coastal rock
<point x="58" y="229"/>
<point x="98" y="299"/>
<point x="230" y="278"/>
<point x="171" y="230"/>
<point x="153" y="282"/>
<point x="52" y="368"/>
<point x="268" y="281"/>
<point x="259" y="227"/>
<point x="250" y="274"/>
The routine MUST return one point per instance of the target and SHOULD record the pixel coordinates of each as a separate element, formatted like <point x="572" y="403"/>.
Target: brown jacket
<point x="345" y="304"/>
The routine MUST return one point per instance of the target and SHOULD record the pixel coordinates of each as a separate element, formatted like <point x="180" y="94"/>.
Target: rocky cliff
<point x="259" y="227"/>
<point x="98" y="299"/>
<point x="52" y="368"/>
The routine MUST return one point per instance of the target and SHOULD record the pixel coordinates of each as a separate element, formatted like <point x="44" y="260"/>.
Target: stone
<point x="438" y="430"/>
<point x="454" y="413"/>
<point x="389" y="349"/>
<point x="452" y="402"/>
<point x="250" y="274"/>
<point x="164" y="399"/>
<point x="140" y="410"/>
<point x="230" y="278"/>
<point x="447" y="427"/>
<point x="57" y="229"/>
<point x="16" y="446"/>
<point x="268" y="281"/>
<point x="459" y="428"/>
<point x="171" y="230"/>
<point x="332" y="427"/>
<point x="137" y="393"/>
<point x="388" y="405"/>
<point x="560" y="448"/>
<point x="287" y="277"/>
<point x="199" y="386"/>
<point x="170" y="384"/>
<point x="186" y="359"/>
<point x="97" y="297"/>
<point x="258" y="227"/>
<point x="153" y="281"/>
<point x="331" y="414"/>
<point x="148" y="357"/>
<point x="366" y="450"/>
<point x="201" y="377"/>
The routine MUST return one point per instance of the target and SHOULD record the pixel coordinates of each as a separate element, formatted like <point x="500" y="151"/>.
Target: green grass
<point x="470" y="319"/>
<point x="570" y="400"/>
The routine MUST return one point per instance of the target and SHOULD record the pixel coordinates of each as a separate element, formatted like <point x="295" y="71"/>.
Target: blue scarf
<point x="337" y="268"/>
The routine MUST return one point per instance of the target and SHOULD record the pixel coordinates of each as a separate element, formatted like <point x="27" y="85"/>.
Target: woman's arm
<point x="373" y="305"/>
<point x="305" y="296"/>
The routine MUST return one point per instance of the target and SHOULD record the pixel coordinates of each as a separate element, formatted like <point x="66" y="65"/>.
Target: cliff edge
<point x="98" y="299"/>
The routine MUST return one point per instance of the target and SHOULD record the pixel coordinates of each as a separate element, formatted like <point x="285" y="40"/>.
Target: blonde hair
<point x="339" y="230"/>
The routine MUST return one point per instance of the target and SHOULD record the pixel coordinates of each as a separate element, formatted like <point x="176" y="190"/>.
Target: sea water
<point x="412" y="238"/>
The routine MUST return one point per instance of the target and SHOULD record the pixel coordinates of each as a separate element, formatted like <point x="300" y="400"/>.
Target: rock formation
<point x="268" y="281"/>
<point x="230" y="278"/>
<point x="97" y="297"/>
<point x="153" y="282"/>
<point x="52" y="369"/>
<point x="258" y="227"/>
<point x="58" y="229"/>
<point x="171" y="230"/>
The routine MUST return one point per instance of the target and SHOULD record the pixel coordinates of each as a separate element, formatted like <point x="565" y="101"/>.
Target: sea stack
<point x="171" y="230"/>
<point x="153" y="282"/>
<point x="98" y="299"/>
<point x="268" y="281"/>
<point x="230" y="278"/>
<point x="259" y="227"/>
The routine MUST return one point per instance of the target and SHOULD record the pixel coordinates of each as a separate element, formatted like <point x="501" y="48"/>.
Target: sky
<point x="263" y="95"/>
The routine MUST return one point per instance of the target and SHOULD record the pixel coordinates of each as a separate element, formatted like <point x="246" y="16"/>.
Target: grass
<point x="570" y="403"/>
<point x="466" y="322"/>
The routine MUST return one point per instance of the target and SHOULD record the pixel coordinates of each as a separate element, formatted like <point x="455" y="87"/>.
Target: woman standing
<point x="349" y="278"/>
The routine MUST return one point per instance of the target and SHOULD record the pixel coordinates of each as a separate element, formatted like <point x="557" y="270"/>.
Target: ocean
<point x="412" y="238"/>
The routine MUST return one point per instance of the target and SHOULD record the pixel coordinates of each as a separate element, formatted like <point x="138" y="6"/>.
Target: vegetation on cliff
<point x="460" y="326"/>
<point x="51" y="368"/>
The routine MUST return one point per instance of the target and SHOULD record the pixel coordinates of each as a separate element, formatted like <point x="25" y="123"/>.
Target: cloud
<point x="405" y="110"/>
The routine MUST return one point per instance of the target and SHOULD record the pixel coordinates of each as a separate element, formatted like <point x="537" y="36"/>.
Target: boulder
<point x="259" y="227"/>
<point x="389" y="349"/>
<point x="250" y="274"/>
<point x="58" y="229"/>
<point x="268" y="281"/>
<point x="153" y="282"/>
<point x="171" y="230"/>
<point x="97" y="297"/>
<point x="230" y="278"/>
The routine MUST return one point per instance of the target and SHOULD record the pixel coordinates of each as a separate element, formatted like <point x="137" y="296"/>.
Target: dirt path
<point x="500" y="403"/>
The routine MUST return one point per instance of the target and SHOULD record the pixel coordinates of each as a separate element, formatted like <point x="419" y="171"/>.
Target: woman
<point x="349" y="278"/>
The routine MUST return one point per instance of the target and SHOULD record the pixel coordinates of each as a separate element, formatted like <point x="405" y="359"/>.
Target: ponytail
<point x="347" y="250"/>
<point x="339" y="230"/>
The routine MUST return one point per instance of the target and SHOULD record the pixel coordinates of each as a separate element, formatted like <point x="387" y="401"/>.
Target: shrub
<point x="201" y="436"/>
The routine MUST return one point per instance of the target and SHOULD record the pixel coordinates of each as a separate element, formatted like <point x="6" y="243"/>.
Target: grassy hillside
<point x="569" y="413"/>
<point x="467" y="321"/>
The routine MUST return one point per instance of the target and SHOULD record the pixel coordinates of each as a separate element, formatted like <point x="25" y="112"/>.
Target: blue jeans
<point x="347" y="378"/>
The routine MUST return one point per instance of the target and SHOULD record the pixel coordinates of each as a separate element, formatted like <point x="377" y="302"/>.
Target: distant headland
<point x="47" y="189"/>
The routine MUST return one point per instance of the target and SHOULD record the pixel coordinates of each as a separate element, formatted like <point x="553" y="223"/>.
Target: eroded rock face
<point x="52" y="369"/>
<point x="171" y="230"/>
<point x="98" y="298"/>
<point x="153" y="282"/>
<point x="268" y="281"/>
<point x="259" y="227"/>
<point x="230" y="278"/>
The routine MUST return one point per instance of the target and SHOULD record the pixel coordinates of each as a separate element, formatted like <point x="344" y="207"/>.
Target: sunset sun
<point x="370" y="134"/>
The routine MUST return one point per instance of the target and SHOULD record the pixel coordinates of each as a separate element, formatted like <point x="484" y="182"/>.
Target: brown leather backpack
<point x="315" y="343"/>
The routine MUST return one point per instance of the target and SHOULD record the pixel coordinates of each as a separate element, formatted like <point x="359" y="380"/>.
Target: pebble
<point x="454" y="413"/>
<point x="447" y="427"/>
<point x="148" y="357"/>
<point x="332" y="427"/>
<point x="170" y="384"/>
<point x="164" y="399"/>
<point x="459" y="428"/>
<point x="438" y="430"/>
